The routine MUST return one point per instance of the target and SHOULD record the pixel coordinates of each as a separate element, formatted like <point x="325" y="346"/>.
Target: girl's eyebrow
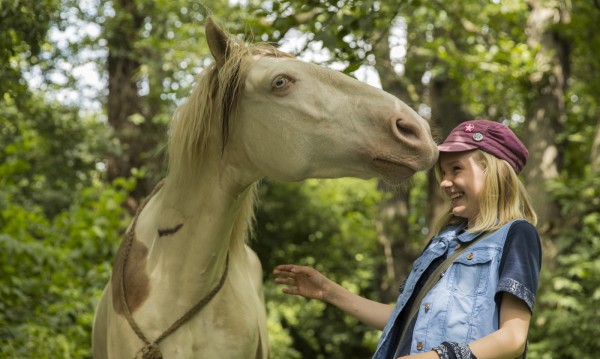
<point x="451" y="163"/>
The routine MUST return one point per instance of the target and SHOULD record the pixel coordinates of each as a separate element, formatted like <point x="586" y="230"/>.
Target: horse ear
<point x="217" y="39"/>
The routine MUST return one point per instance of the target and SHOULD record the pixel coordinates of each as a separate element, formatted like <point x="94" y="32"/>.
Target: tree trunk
<point x="596" y="150"/>
<point x="392" y="223"/>
<point x="123" y="100"/>
<point x="129" y="113"/>
<point x="545" y="110"/>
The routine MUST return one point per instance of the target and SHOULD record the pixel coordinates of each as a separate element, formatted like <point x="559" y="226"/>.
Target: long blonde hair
<point x="503" y="199"/>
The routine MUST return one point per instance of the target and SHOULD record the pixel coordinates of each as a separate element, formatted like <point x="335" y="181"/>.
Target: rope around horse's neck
<point x="185" y="317"/>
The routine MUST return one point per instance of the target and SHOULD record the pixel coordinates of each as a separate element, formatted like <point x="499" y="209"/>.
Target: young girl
<point x="471" y="293"/>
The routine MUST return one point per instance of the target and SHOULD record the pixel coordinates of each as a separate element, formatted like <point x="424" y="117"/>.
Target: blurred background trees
<point x="87" y="89"/>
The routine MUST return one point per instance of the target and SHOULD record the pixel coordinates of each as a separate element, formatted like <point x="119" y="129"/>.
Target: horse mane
<point x="214" y="101"/>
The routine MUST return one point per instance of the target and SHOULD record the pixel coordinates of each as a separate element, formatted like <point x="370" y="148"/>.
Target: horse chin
<point x="392" y="172"/>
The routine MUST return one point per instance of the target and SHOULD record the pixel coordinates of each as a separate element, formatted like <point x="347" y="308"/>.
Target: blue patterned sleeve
<point x="521" y="263"/>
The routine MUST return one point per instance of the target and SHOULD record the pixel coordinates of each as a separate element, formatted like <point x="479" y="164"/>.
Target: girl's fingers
<point x="285" y="267"/>
<point x="287" y="281"/>
<point x="284" y="275"/>
<point x="290" y="268"/>
<point x="287" y="290"/>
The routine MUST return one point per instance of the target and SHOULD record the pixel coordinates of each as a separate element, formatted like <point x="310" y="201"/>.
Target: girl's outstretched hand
<point x="303" y="281"/>
<point x="310" y="283"/>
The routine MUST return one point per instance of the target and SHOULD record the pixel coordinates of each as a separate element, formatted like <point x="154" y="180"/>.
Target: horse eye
<point x="280" y="82"/>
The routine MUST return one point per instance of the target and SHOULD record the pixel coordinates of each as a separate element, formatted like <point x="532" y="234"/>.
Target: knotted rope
<point x="151" y="349"/>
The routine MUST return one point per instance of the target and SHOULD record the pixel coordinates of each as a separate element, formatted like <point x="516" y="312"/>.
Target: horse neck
<point x="209" y="217"/>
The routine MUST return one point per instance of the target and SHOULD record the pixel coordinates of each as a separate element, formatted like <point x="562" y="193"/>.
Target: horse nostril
<point x="405" y="129"/>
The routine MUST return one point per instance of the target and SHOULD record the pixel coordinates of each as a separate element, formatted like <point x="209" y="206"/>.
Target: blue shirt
<point x="517" y="272"/>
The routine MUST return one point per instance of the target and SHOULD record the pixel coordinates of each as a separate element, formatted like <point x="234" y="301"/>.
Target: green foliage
<point x="46" y="152"/>
<point x="565" y="325"/>
<point x="53" y="270"/>
<point x="327" y="224"/>
<point x="60" y="224"/>
<point x="167" y="38"/>
<point x="346" y="29"/>
<point x="478" y="46"/>
<point x="569" y="299"/>
<point x="23" y="27"/>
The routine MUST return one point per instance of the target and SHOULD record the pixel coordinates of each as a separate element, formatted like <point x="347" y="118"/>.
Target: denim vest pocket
<point x="470" y="272"/>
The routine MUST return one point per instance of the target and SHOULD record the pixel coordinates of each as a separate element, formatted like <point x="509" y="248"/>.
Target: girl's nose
<point x="445" y="183"/>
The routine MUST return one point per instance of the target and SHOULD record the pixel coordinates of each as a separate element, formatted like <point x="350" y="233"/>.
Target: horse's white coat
<point x="294" y="121"/>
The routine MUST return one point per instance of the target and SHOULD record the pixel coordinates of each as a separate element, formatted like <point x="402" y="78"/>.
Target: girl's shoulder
<point x="523" y="237"/>
<point x="522" y="227"/>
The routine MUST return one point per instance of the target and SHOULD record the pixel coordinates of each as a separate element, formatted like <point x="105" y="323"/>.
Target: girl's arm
<point x="310" y="283"/>
<point x="509" y="341"/>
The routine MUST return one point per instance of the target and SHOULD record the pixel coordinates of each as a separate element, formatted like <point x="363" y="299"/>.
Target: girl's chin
<point x="459" y="212"/>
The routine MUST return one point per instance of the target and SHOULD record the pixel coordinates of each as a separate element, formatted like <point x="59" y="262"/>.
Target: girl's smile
<point x="462" y="181"/>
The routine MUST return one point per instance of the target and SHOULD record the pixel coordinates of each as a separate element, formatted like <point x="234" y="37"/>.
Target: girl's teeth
<point x="455" y="196"/>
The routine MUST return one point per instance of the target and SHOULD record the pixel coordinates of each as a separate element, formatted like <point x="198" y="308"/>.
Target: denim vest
<point x="460" y="307"/>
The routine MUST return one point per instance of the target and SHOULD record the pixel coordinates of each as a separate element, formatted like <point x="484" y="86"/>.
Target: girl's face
<point x="462" y="181"/>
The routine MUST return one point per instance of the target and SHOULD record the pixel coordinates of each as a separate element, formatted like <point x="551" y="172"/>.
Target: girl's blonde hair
<point x="503" y="199"/>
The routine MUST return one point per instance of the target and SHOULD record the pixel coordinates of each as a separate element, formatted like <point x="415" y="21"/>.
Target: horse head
<point x="291" y="120"/>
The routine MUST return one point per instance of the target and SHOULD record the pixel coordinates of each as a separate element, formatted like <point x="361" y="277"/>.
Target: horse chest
<point x="228" y="327"/>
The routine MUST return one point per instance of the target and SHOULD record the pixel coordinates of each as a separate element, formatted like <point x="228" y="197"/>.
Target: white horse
<point x="184" y="282"/>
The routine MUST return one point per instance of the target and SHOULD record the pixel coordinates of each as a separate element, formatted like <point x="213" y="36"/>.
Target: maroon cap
<point x="489" y="136"/>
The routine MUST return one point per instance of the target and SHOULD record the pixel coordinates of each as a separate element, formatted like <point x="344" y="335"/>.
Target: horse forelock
<point x="232" y="76"/>
<point x="212" y="102"/>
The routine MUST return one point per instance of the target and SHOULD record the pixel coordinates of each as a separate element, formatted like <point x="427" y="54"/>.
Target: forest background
<point x="87" y="89"/>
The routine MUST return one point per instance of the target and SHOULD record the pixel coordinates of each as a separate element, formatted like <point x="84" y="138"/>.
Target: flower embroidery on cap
<point x="469" y="127"/>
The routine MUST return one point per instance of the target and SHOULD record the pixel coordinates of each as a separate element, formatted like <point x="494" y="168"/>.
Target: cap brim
<point x="456" y="147"/>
